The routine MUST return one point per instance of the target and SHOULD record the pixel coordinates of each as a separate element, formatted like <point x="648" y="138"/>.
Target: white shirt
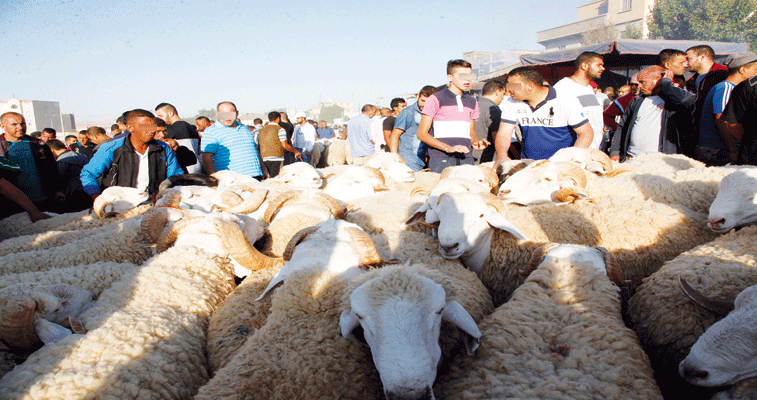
<point x="143" y="177"/>
<point x="592" y="107"/>
<point x="305" y="137"/>
<point x="377" y="133"/>
<point x="645" y="133"/>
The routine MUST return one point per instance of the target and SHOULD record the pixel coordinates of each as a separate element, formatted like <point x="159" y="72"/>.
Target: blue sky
<point x="99" y="59"/>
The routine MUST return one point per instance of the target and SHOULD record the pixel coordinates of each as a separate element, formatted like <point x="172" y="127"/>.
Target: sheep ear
<point x="348" y="322"/>
<point x="456" y="314"/>
<point x="497" y="220"/>
<point x="50" y="332"/>
<point x="418" y="214"/>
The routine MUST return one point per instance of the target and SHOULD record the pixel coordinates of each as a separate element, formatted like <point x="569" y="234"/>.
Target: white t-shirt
<point x="143" y="177"/>
<point x="645" y="133"/>
<point x="377" y="133"/>
<point x="592" y="107"/>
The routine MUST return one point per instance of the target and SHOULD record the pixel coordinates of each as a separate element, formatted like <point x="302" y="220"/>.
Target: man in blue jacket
<point x="136" y="160"/>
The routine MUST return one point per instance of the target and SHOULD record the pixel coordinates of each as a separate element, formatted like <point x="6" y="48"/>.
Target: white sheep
<point x="446" y="185"/>
<point x="480" y="174"/>
<point x="355" y="182"/>
<point x="391" y="165"/>
<point x="560" y="336"/>
<point x="117" y="200"/>
<point x="592" y="160"/>
<point x="735" y="203"/>
<point x="298" y="175"/>
<point x="145" y="336"/>
<point x="544" y="182"/>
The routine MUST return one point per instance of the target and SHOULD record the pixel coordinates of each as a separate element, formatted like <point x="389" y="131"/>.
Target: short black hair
<point x="427" y="91"/>
<point x="529" y="74"/>
<point x="121" y="119"/>
<point x="585" y="57"/>
<point x="35" y="134"/>
<point x="703" y="49"/>
<point x="168" y="107"/>
<point x="452" y="64"/>
<point x="159" y="122"/>
<point x="56" y="144"/>
<point x="203" y="118"/>
<point x="136" y="113"/>
<point x="257" y="121"/>
<point x="396" y="102"/>
<point x="49" y="130"/>
<point x="668" y="54"/>
<point x="113" y="127"/>
<point x="491" y="87"/>
<point x="70" y="137"/>
<point x="273" y="116"/>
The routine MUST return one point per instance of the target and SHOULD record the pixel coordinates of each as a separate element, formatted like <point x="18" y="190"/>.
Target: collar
<point x="551" y="95"/>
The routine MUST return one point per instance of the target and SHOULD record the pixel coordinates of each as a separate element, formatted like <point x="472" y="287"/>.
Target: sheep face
<point x="300" y="174"/>
<point x="356" y="182"/>
<point x="727" y="352"/>
<point x="735" y="205"/>
<point x="118" y="200"/>
<point x="400" y="313"/>
<point x="392" y="165"/>
<point x="466" y="227"/>
<point x="483" y="176"/>
<point x="538" y="184"/>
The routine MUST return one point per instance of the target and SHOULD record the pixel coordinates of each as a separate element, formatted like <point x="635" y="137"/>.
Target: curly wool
<point x="94" y="278"/>
<point x="125" y="244"/>
<point x="146" y="336"/>
<point x="560" y="336"/>
<point x="386" y="211"/>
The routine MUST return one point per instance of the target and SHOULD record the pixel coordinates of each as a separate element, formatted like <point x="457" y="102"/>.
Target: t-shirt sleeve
<point x="282" y="134"/>
<point x="209" y="144"/>
<point x="575" y="112"/>
<point x="403" y="121"/>
<point x="509" y="113"/>
<point x="475" y="113"/>
<point x="431" y="107"/>
<point x="388" y="124"/>
<point x="720" y="95"/>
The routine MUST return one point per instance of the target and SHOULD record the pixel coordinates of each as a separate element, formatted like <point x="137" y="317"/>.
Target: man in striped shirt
<point x="453" y="114"/>
<point x="227" y="144"/>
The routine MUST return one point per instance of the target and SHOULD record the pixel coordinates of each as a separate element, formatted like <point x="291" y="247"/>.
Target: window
<point x="602" y="10"/>
<point x="626" y="5"/>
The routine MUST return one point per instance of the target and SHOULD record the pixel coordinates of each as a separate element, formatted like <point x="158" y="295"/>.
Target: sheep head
<point x="483" y="175"/>
<point x="398" y="311"/>
<point x="356" y="182"/>
<point x="466" y="226"/>
<point x="446" y="185"/>
<point x="726" y="353"/>
<point x="544" y="182"/>
<point x="299" y="174"/>
<point x="391" y="165"/>
<point x="736" y="203"/>
<point x="599" y="257"/>
<point x="118" y="200"/>
<point x="310" y="198"/>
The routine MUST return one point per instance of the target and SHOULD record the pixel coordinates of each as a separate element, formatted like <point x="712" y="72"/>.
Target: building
<point x="39" y="114"/>
<point x="600" y="21"/>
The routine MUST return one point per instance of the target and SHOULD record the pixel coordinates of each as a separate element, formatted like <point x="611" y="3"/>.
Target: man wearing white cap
<point x="303" y="138"/>
<point x="716" y="145"/>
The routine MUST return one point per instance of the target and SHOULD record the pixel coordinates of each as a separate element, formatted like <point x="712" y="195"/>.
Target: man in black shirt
<point x="741" y="119"/>
<point x="180" y="131"/>
<point x="289" y="128"/>
<point x="397" y="104"/>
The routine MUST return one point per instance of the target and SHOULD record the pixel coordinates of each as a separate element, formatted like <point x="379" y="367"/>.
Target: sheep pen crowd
<point x="575" y="277"/>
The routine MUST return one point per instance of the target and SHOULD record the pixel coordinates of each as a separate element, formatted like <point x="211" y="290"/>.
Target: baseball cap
<point x="738" y="60"/>
<point x="300" y="114"/>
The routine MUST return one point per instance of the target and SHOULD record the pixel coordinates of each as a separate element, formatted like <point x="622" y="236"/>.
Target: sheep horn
<point x="612" y="267"/>
<point x="277" y="203"/>
<point x="328" y="175"/>
<point x="718" y="307"/>
<point x="539" y="163"/>
<point x="572" y="171"/>
<point x="491" y="178"/>
<point x="154" y="221"/>
<point x="375" y="172"/>
<point x="168" y="236"/>
<point x="17" y="323"/>
<point x="366" y="250"/>
<point x="242" y="251"/>
<point x="297" y="238"/>
<point x="420" y="190"/>
<point x="537" y="257"/>
<point x="171" y="196"/>
<point x="251" y="204"/>
<point x="74" y="324"/>
<point x="494" y="201"/>
<point x="333" y="205"/>
<point x="602" y="158"/>
<point x="230" y="198"/>
<point x="616" y="172"/>
<point x="445" y="173"/>
<point x="567" y="195"/>
<point x="99" y="206"/>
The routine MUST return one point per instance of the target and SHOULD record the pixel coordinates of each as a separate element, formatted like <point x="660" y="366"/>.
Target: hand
<point x="308" y="154"/>
<point x="38" y="215"/>
<point x="481" y="144"/>
<point x="457" y="149"/>
<point x="668" y="74"/>
<point x="615" y="158"/>
<point x="173" y="144"/>
<point x="298" y="155"/>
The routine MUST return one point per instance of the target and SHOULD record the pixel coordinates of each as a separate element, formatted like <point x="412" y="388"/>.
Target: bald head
<point x="14" y="126"/>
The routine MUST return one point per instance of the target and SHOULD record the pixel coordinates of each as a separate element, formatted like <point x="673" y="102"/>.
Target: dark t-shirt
<point x="289" y="128"/>
<point x="389" y="123"/>
<point x="181" y="130"/>
<point x="740" y="109"/>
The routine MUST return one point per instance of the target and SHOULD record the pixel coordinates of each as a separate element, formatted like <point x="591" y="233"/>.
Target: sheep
<point x="384" y="211"/>
<point x="51" y="239"/>
<point x="446" y="185"/>
<point x="667" y="322"/>
<point x="337" y="153"/>
<point x="560" y="336"/>
<point x="471" y="228"/>
<point x="300" y="175"/>
<point x="94" y="278"/>
<point x="481" y="174"/>
<point x="194" y="179"/>
<point x="124" y="243"/>
<point x="735" y="202"/>
<point x="299" y="352"/>
<point x="506" y="169"/>
<point x="355" y="182"/>
<point x="145" y="336"/>
<point x="592" y="160"/>
<point x="660" y="163"/>
<point x="391" y="165"/>
<point x="544" y="182"/>
<point x="117" y="200"/>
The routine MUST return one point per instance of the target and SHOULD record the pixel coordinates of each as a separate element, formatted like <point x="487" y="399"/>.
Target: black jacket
<point x="676" y="130"/>
<point x="124" y="169"/>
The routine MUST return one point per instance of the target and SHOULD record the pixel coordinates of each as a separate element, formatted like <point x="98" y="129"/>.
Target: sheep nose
<point x="690" y="373"/>
<point x="504" y="192"/>
<point x="423" y="394"/>
<point x="715" y="222"/>
<point x="447" y="249"/>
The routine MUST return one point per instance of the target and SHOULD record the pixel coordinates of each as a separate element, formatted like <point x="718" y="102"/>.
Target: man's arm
<point x="394" y="140"/>
<point x="207" y="163"/>
<point x="425" y="137"/>
<point x="172" y="164"/>
<point x="584" y="135"/>
<point x="673" y="94"/>
<point x="263" y="168"/>
<point x="93" y="169"/>
<point x="10" y="191"/>
<point x="502" y="141"/>
<point x="730" y="133"/>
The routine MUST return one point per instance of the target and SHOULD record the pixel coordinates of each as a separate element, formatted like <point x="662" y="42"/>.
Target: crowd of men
<point x="520" y="115"/>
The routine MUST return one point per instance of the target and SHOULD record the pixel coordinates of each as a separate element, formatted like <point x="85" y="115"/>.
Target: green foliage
<point x="633" y="31"/>
<point x="210" y="113"/>
<point x="717" y="20"/>
<point x="329" y="113"/>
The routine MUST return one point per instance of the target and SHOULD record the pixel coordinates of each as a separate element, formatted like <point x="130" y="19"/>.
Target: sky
<point x="100" y="58"/>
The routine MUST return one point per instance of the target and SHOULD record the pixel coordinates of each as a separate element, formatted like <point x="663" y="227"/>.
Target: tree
<point x="601" y="34"/>
<point x="329" y="113"/>
<point x="718" y="20"/>
<point x="210" y="113"/>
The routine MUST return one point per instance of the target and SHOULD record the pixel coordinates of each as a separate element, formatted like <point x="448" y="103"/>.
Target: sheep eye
<point x="360" y="317"/>
<point x="481" y="216"/>
<point x="440" y="311"/>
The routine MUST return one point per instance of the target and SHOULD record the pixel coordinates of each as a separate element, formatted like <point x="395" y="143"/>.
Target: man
<point x="377" y="129"/>
<point x="716" y="147"/>
<point x="121" y="122"/>
<point x="202" y="123"/>
<point x="304" y="136"/>
<point x="97" y="136"/>
<point x="17" y="200"/>
<point x="136" y="160"/>
<point x="323" y="131"/>
<point x="404" y="139"/>
<point x="181" y="131"/>
<point x="70" y="194"/>
<point x="549" y="121"/>
<point x="47" y="134"/>
<point x="673" y="60"/>
<point x="617" y="108"/>
<point x="273" y="144"/>
<point x="589" y="67"/>
<point x="676" y="62"/>
<point x="38" y="177"/>
<point x="114" y="130"/>
<point x="649" y="124"/>
<point x="289" y="128"/>
<point x="397" y="104"/>
<point x="453" y="114"/>
<point x="70" y="140"/>
<point x="359" y="134"/>
<point x="229" y="145"/>
<point x="490" y="116"/>
<point x="739" y="120"/>
<point x="184" y="156"/>
<point x="701" y="61"/>
<point x="84" y="145"/>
